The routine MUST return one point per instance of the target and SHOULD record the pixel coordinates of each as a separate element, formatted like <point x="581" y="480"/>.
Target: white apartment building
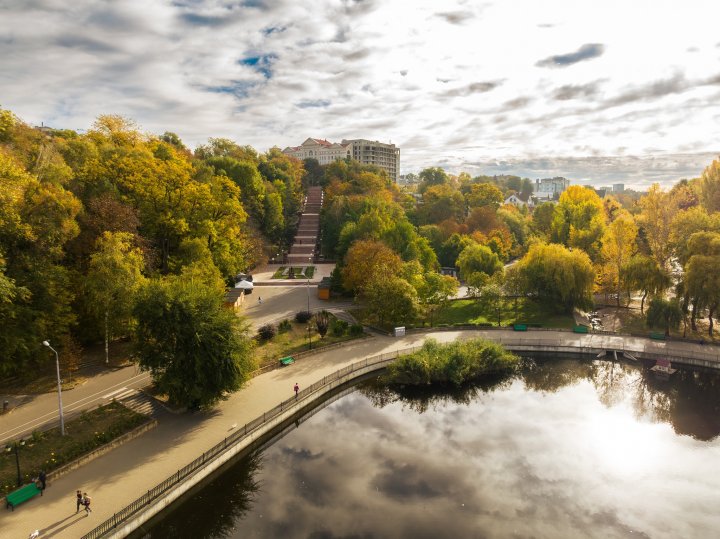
<point x="367" y="152"/>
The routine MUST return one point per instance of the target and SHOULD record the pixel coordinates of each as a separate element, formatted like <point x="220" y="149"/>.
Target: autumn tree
<point x="368" y="260"/>
<point x="579" y="220"/>
<point x="433" y="291"/>
<point x="656" y="218"/>
<point x="643" y="273"/>
<point x="663" y="313"/>
<point x="391" y="300"/>
<point x="112" y="282"/>
<point x="618" y="245"/>
<point x="710" y="187"/>
<point x="478" y="259"/>
<point x="553" y="273"/>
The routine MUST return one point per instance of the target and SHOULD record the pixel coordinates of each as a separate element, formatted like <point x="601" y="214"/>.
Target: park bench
<point x="658" y="336"/>
<point x="580" y="329"/>
<point x="285" y="361"/>
<point x="520" y="327"/>
<point x="21" y="495"/>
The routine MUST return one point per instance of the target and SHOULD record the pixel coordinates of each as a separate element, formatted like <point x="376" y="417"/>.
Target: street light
<point x="57" y="368"/>
<point x="14" y="446"/>
<point x="309" y="336"/>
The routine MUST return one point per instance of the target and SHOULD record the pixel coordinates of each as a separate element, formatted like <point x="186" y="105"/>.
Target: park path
<point x="122" y="475"/>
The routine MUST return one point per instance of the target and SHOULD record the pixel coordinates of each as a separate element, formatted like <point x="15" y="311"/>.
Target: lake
<point x="565" y="449"/>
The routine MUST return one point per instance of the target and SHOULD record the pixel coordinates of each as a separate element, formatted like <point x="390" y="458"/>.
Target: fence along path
<point x="359" y="367"/>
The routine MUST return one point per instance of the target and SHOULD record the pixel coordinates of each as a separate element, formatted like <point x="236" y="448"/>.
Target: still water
<point x="566" y="449"/>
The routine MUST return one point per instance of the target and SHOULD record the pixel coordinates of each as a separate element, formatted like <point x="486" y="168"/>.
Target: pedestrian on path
<point x="259" y="300"/>
<point x="43" y="479"/>
<point x="86" y="503"/>
<point x="79" y="500"/>
<point x="296" y="388"/>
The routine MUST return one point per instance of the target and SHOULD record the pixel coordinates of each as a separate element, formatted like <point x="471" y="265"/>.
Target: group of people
<point x="83" y="500"/>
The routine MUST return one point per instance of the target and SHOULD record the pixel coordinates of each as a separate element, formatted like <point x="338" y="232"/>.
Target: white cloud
<point x="636" y="78"/>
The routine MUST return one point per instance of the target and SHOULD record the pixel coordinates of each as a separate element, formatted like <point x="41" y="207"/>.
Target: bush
<point x="455" y="362"/>
<point x="303" y="317"/>
<point x="284" y="326"/>
<point x="339" y="327"/>
<point x="356" y="330"/>
<point x="266" y="332"/>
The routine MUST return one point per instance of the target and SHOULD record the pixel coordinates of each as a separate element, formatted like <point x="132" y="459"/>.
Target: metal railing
<point x="151" y="495"/>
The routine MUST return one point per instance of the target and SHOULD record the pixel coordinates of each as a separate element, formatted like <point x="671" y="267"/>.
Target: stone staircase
<point x="304" y="247"/>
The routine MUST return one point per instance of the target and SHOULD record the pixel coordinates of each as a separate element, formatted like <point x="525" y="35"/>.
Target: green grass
<point x="294" y="341"/>
<point x="301" y="272"/>
<point x="48" y="450"/>
<point x="469" y="311"/>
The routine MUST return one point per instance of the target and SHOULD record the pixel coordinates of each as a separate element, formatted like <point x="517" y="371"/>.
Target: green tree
<point x="195" y="350"/>
<point x="392" y="301"/>
<point x="431" y="176"/>
<point x="491" y="296"/>
<point x="478" y="259"/>
<point x="702" y="280"/>
<point x="643" y="273"/>
<point x="322" y="323"/>
<point x="433" y="291"/>
<point x="112" y="282"/>
<point x="555" y="274"/>
<point x="542" y="218"/>
<point x="663" y="313"/>
<point x="484" y="194"/>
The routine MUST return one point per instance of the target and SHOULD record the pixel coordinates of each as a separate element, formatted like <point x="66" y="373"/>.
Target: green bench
<point x="580" y="329"/>
<point x="285" y="361"/>
<point x="520" y="327"/>
<point x="658" y="336"/>
<point x="21" y="495"/>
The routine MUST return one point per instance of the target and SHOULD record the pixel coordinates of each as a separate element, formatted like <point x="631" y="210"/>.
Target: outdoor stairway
<point x="135" y="400"/>
<point x="303" y="250"/>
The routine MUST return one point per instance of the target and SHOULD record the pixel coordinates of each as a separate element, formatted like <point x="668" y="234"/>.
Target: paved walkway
<point x="119" y="477"/>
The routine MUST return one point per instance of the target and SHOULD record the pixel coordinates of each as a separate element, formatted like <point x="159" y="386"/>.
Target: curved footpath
<point x="122" y="475"/>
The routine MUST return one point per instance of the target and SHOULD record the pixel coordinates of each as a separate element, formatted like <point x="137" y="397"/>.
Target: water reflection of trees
<point x="421" y="398"/>
<point x="689" y="401"/>
<point x="224" y="501"/>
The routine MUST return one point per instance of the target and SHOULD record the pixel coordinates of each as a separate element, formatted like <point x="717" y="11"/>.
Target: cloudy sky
<point x="598" y="91"/>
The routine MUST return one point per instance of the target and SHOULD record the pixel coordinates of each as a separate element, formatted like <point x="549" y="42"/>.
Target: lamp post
<point x="10" y="448"/>
<point x="307" y="285"/>
<point x="57" y="368"/>
<point x="309" y="336"/>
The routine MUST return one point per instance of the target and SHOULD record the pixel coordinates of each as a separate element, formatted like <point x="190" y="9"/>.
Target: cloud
<point x="574" y="91"/>
<point x="472" y="88"/>
<point x="456" y="17"/>
<point x="312" y="103"/>
<point x="586" y="52"/>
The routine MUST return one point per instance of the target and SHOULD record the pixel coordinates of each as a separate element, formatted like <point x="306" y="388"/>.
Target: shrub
<point x="339" y="327"/>
<point x="266" y="332"/>
<point x="284" y="326"/>
<point x="455" y="362"/>
<point x="356" y="330"/>
<point x="303" y="317"/>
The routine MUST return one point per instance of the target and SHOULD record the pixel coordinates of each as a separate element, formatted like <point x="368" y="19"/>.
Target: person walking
<point x="43" y="479"/>
<point x="86" y="503"/>
<point x="79" y="500"/>
<point x="296" y="388"/>
<point x="259" y="300"/>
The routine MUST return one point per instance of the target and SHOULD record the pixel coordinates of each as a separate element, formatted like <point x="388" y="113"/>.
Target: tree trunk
<point x="710" y="319"/>
<point x="642" y="302"/>
<point x="107" y="337"/>
<point x="693" y="325"/>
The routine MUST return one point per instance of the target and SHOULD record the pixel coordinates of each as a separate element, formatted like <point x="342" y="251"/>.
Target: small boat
<point x="663" y="369"/>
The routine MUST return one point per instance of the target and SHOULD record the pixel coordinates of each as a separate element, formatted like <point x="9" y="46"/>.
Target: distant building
<point x="314" y="148"/>
<point x="367" y="152"/>
<point x="601" y="191"/>
<point x="548" y="188"/>
<point x="515" y="201"/>
<point x="618" y="188"/>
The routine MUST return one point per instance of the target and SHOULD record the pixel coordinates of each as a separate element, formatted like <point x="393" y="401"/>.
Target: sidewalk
<point x="119" y="477"/>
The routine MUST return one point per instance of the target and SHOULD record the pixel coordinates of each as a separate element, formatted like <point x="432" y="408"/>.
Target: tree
<point x="113" y="280"/>
<point x="643" y="273"/>
<point x="392" y="300"/>
<point x="195" y="350"/>
<point x="542" y="218"/>
<point x="579" y="220"/>
<point x="492" y="298"/>
<point x="655" y="218"/>
<point x="441" y="202"/>
<point x="703" y="285"/>
<point x="618" y="246"/>
<point x="322" y="322"/>
<point x="368" y="260"/>
<point x="431" y="176"/>
<point x="484" y="194"/>
<point x="478" y="259"/>
<point x="555" y="274"/>
<point x="710" y="187"/>
<point x="664" y="313"/>
<point x="433" y="291"/>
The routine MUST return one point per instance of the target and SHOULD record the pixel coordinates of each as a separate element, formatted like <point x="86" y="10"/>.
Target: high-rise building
<point x="549" y="188"/>
<point x="618" y="188"/>
<point x="367" y="152"/>
<point x="372" y="152"/>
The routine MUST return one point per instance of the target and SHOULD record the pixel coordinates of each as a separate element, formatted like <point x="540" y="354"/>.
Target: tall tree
<point x="579" y="220"/>
<point x="643" y="273"/>
<point x="112" y="282"/>
<point x="196" y="350"/>
<point x="392" y="300"/>
<point x="656" y="218"/>
<point x="663" y="313"/>
<point x="366" y="261"/>
<point x="618" y="246"/>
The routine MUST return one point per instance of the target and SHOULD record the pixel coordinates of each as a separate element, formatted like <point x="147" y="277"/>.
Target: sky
<point x="599" y="92"/>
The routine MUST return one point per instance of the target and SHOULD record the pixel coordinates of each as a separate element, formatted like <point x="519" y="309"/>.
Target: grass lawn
<point x="469" y="311"/>
<point x="48" y="450"/>
<point x="300" y="272"/>
<point x="293" y="341"/>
